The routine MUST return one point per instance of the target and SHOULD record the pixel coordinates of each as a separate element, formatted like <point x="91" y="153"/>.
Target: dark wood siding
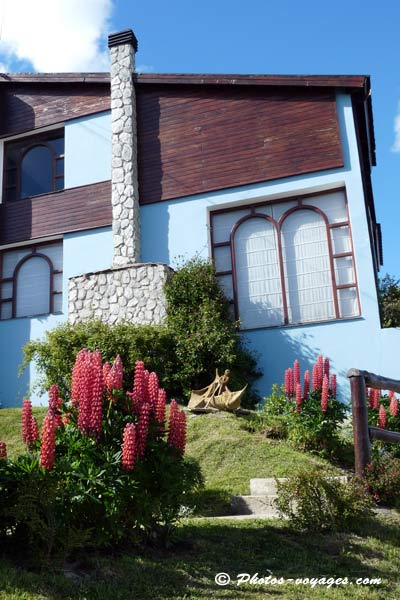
<point x="70" y="210"/>
<point x="27" y="106"/>
<point x="194" y="139"/>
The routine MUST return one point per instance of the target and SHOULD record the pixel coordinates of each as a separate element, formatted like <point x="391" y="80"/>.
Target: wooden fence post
<point x="362" y="446"/>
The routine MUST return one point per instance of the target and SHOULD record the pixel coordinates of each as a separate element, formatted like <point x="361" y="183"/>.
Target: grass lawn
<point x="207" y="547"/>
<point x="229" y="455"/>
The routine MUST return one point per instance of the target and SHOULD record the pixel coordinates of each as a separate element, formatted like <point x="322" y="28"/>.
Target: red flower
<point x="382" y="419"/>
<point x="143" y="428"/>
<point x="55" y="404"/>
<point x="3" y="450"/>
<point x="106" y="372"/>
<point x="139" y="390"/>
<point x="48" y="446"/>
<point x="333" y="385"/>
<point x="153" y="388"/>
<point x="289" y="382"/>
<point x="299" y="398"/>
<point x="319" y="370"/>
<point x="177" y="428"/>
<point x="306" y="384"/>
<point x="326" y="367"/>
<point x="394" y="406"/>
<point x="128" y="447"/>
<point x="34" y="430"/>
<point x="96" y="393"/>
<point x="325" y="394"/>
<point x="27" y="422"/>
<point x="161" y="405"/>
<point x="296" y="373"/>
<point x="76" y="385"/>
<point x="114" y="377"/>
<point x="376" y="397"/>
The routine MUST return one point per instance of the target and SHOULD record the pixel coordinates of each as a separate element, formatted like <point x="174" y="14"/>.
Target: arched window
<point x="258" y="278"/>
<point x="34" y="165"/>
<point x="33" y="281"/>
<point x="288" y="262"/>
<point x="307" y="267"/>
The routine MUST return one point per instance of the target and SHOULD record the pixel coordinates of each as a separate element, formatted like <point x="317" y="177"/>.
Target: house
<point x="106" y="178"/>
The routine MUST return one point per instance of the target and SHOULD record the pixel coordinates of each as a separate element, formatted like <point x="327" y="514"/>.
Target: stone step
<point x="267" y="486"/>
<point x="255" y="505"/>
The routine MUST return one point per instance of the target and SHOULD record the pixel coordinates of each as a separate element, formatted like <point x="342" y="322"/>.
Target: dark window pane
<point x="60" y="166"/>
<point x="58" y="145"/>
<point x="11" y="177"/>
<point x="11" y="193"/>
<point x="60" y="183"/>
<point x="37" y="172"/>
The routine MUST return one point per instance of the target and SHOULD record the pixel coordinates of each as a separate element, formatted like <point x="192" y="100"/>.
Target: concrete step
<point x="255" y="505"/>
<point x="267" y="486"/>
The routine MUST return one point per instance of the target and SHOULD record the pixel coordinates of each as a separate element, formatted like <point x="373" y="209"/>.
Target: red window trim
<point x="277" y="225"/>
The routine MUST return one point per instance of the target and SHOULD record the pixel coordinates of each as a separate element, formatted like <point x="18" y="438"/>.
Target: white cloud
<point x="145" y="69"/>
<point x="55" y="35"/>
<point x="396" y="145"/>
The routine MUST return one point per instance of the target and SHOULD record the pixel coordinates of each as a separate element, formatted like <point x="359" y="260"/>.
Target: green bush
<point x="313" y="501"/>
<point x="198" y="337"/>
<point x="76" y="491"/>
<point x="382" y="480"/>
<point x="272" y="419"/>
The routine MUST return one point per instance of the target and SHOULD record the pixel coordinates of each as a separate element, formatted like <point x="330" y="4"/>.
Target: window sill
<point x="308" y="324"/>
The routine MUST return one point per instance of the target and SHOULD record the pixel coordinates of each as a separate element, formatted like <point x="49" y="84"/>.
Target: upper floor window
<point x="34" y="165"/>
<point x="287" y="263"/>
<point x="31" y="280"/>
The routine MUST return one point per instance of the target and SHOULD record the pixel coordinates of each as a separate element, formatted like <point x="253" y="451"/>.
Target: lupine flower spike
<point x="306" y="384"/>
<point x="48" y="446"/>
<point x="382" y="419"/>
<point x="296" y="373"/>
<point x="142" y="429"/>
<point x="376" y="399"/>
<point x="153" y="389"/>
<point x="177" y="427"/>
<point x="161" y="406"/>
<point x="334" y="385"/>
<point x="326" y="367"/>
<point x="27" y="422"/>
<point x="315" y="377"/>
<point x="325" y="394"/>
<point x="299" y="398"/>
<point x="394" y="406"/>
<point x="55" y="404"/>
<point x="3" y="450"/>
<point x="128" y="447"/>
<point x="289" y="382"/>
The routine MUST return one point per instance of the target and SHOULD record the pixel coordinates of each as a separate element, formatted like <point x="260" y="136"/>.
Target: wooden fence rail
<point x="359" y="381"/>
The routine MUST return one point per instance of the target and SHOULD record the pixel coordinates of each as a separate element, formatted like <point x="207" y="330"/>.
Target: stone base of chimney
<point x="133" y="293"/>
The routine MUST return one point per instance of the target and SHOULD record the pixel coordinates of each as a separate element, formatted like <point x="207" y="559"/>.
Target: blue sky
<point x="221" y="36"/>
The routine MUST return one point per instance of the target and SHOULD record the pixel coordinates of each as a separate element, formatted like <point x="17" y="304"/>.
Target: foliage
<point x="382" y="480"/>
<point x="198" y="337"/>
<point x="389" y="301"/>
<point x="89" y="496"/>
<point x="205" y="335"/>
<point x="383" y="411"/>
<point x="308" y="419"/>
<point x="313" y="501"/>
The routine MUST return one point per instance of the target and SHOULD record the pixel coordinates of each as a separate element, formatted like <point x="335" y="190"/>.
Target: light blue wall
<point x="88" y="150"/>
<point x="82" y="252"/>
<point x="181" y="228"/>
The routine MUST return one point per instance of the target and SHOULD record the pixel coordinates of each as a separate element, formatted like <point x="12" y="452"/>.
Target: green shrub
<point x="198" y="337"/>
<point x="313" y="501"/>
<point x="89" y="495"/>
<point x="272" y="418"/>
<point x="392" y="420"/>
<point x="382" y="480"/>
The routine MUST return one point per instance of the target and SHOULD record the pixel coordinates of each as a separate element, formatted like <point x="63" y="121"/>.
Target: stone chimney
<point x="124" y="174"/>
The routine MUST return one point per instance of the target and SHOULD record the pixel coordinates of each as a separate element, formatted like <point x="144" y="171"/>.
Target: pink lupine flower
<point x="326" y="367"/>
<point x="296" y="373"/>
<point x="325" y="393"/>
<point x="96" y="393"/>
<point x="143" y="428"/>
<point x="289" y="382"/>
<point x="55" y="403"/>
<point x="128" y="447"/>
<point x="376" y="399"/>
<point x="382" y="419"/>
<point x="35" y="435"/>
<point x="315" y="377"/>
<point x="27" y="422"/>
<point x="177" y="427"/>
<point x="153" y="389"/>
<point x="370" y="397"/>
<point x="320" y="370"/>
<point x="394" y="406"/>
<point x="48" y="445"/>
<point x="106" y="372"/>
<point x="139" y="392"/>
<point x="306" y="384"/>
<point x="299" y="398"/>
<point x="84" y="391"/>
<point x="146" y="385"/>
<point x="161" y="406"/>
<point x="76" y="384"/>
<point x="334" y="385"/>
<point x="3" y="450"/>
<point x="114" y="378"/>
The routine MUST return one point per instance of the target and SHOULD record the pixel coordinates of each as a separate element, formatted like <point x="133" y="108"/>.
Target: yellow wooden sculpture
<point x="216" y="396"/>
